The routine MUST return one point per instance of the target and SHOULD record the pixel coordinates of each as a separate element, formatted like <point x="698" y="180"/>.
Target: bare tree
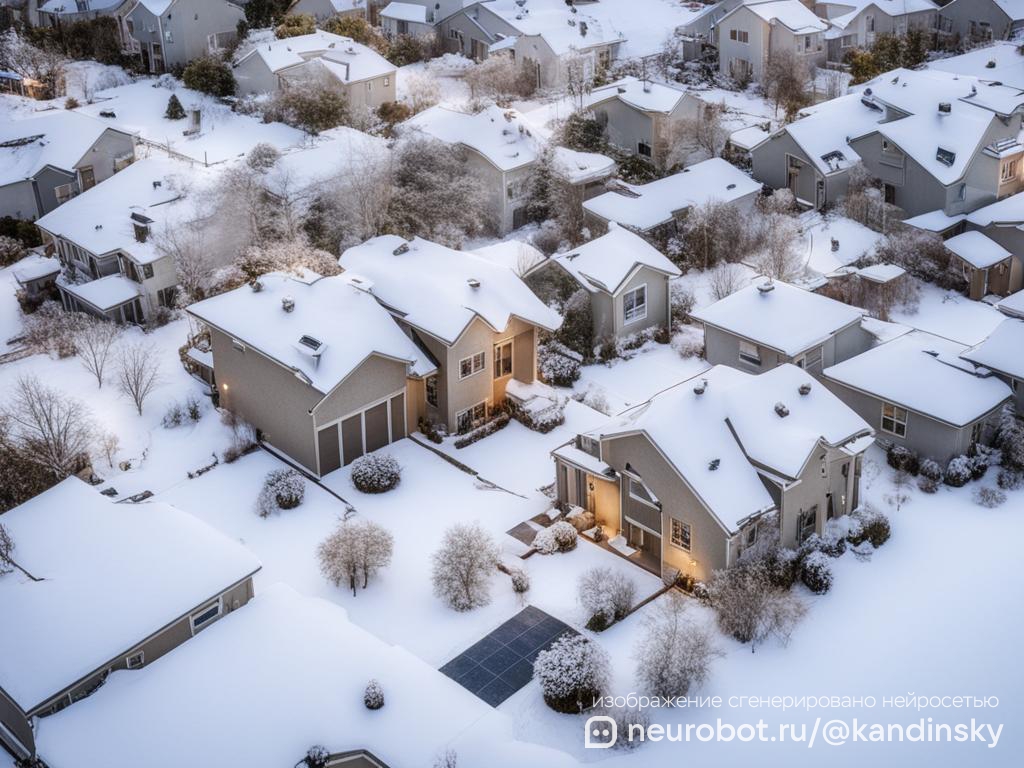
<point x="138" y="372"/>
<point x="94" y="342"/>
<point x="750" y="607"/>
<point x="109" y="443"/>
<point x="704" y="135"/>
<point x="45" y="65"/>
<point x="786" y="81"/>
<point x="354" y="552"/>
<point x="463" y="566"/>
<point x="675" y="652"/>
<point x="725" y="279"/>
<point x="7" y="561"/>
<point x="779" y="258"/>
<point x="498" y="78"/>
<point x="49" y="428"/>
<point x="606" y="595"/>
<point x="579" y="78"/>
<point x="713" y="232"/>
<point x="422" y="91"/>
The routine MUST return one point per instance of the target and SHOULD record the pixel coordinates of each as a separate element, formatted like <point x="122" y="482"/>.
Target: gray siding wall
<point x="657" y="302"/>
<point x="962" y="12"/>
<point x="723" y="348"/>
<point x="19" y="200"/>
<point x="100" y="157"/>
<point x="254" y="76"/>
<point x="188" y="23"/>
<point x="625" y="126"/>
<point x="376" y="378"/>
<point x="46" y="182"/>
<point x="754" y="51"/>
<point x="14" y="720"/>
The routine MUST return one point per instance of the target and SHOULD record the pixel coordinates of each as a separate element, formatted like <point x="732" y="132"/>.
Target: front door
<point x="88" y="178"/>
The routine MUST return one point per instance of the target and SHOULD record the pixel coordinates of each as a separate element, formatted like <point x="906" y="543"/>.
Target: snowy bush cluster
<point x="376" y="473"/>
<point x="179" y="413"/>
<point x="545" y="419"/>
<point x="373" y="696"/>
<point x="354" y="552"/>
<point x="871" y="526"/>
<point x="572" y="673"/>
<point x="688" y="345"/>
<point x="990" y="498"/>
<point x="675" y="651"/>
<point x="520" y="581"/>
<point x="816" y="572"/>
<point x="497" y="421"/>
<point x="594" y="397"/>
<point x="750" y="607"/>
<point x="558" y="537"/>
<point x="282" y="489"/>
<point x="607" y="596"/>
<point x="581" y="519"/>
<point x="558" y="365"/>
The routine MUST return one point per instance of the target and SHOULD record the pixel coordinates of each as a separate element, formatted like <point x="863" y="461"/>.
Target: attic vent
<point x="766" y="287"/>
<point x="945" y="107"/>
<point x="473" y="282"/>
<point x="287" y="303"/>
<point x="403" y="248"/>
<point x="309" y="342"/>
<point x="714" y="464"/>
<point x="782" y="410"/>
<point x="805" y="389"/>
<point x="701" y="388"/>
<point x="945" y="156"/>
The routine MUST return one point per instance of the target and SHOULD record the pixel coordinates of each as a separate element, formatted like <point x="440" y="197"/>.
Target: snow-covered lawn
<point x="446" y="71"/>
<point x="625" y="383"/>
<point x="952" y="315"/>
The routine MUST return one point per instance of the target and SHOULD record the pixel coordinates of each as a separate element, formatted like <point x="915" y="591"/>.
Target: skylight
<point x="945" y="156"/>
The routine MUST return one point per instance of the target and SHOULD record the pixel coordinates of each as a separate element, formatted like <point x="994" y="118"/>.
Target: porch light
<point x="224" y="387"/>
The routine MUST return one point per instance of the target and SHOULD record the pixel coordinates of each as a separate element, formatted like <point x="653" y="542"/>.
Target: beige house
<point x="476" y="318"/>
<point x="986" y="266"/>
<point x="751" y="33"/>
<point x="115" y="587"/>
<point x="315" y="364"/>
<point x="685" y="482"/>
<point x="362" y="75"/>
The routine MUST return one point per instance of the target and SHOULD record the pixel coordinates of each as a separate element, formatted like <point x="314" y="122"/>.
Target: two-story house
<point x="56" y="13"/>
<point x="73" y="622"/>
<point x="477" y="320"/>
<point x="502" y="150"/>
<point x="982" y="21"/>
<point x="686" y="481"/>
<point x="171" y="33"/>
<point x="858" y="23"/>
<point x="750" y="34"/>
<point x="45" y="161"/>
<point x="322" y="10"/>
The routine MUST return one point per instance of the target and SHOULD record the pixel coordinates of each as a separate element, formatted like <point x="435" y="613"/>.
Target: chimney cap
<point x="805" y="388"/>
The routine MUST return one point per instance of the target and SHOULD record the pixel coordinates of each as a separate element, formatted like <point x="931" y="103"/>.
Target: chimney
<point x="766" y="287"/>
<point x="945" y="108"/>
<point x="782" y="410"/>
<point x="287" y="303"/>
<point x="700" y="388"/>
<point x="805" y="388"/>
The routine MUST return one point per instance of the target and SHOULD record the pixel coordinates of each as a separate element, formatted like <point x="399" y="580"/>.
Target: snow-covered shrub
<point x="556" y="367"/>
<point x="990" y="498"/>
<point x="930" y="477"/>
<point x="688" y="345"/>
<point x="210" y="75"/>
<point x="316" y="757"/>
<point x="1010" y="439"/>
<point x="173" y="416"/>
<point x="607" y="596"/>
<point x="577" y="329"/>
<point x="675" y="651"/>
<point x="51" y="329"/>
<point x="373" y="696"/>
<point x="572" y="673"/>
<point x="282" y="489"/>
<point x="430" y="431"/>
<point x="463" y="567"/>
<point x="1010" y="479"/>
<point x="752" y="609"/>
<point x="520" y="581"/>
<point x="193" y="409"/>
<point x="355" y="551"/>
<point x="376" y="473"/>
<point x="959" y="472"/>
<point x="625" y="719"/>
<point x="682" y="301"/>
<point x="497" y="421"/>
<point x="581" y="519"/>
<point x="816" y="572"/>
<point x="594" y="397"/>
<point x="558" y="537"/>
<point x="702" y="594"/>
<point x="872" y="526"/>
<point x="902" y="458"/>
<point x="982" y="457"/>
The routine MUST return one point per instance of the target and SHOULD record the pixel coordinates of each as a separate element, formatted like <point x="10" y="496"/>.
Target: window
<point x="369" y="85"/>
<point x="739" y="35"/>
<point x="503" y="359"/>
<point x="136" y="660"/>
<point x="750" y="537"/>
<point x="870" y="21"/>
<point x="590" y="445"/>
<point x="165" y="296"/>
<point x="807" y="523"/>
<point x="639" y="491"/>
<point x="471" y="365"/>
<point x="205" y="616"/>
<point x="894" y="420"/>
<point x="634" y="305"/>
<point x="961" y="192"/>
<point x="681" y="534"/>
<point x="453" y="34"/>
<point x="147" y="271"/>
<point x="387" y="81"/>
<point x="431" y="390"/>
<point x="471" y="417"/>
<point x="977" y="431"/>
<point x="643" y="149"/>
<point x="749" y="353"/>
<point x="1008" y="171"/>
<point x="945" y="156"/>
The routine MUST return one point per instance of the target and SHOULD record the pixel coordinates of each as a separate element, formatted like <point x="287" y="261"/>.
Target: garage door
<point x="364" y="432"/>
<point x="376" y="421"/>
<point x="352" y="438"/>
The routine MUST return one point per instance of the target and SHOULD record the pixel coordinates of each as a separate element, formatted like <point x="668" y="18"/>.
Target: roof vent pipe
<point x="805" y="389"/>
<point x="287" y="303"/>
<point x="782" y="410"/>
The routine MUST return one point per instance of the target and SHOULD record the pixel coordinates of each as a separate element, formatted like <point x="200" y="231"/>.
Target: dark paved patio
<point x="499" y="665"/>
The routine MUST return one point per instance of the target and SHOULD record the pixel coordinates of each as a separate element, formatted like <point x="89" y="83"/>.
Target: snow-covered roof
<point x="113" y="574"/>
<point x="316" y="337"/>
<point x="560" y="27"/>
<point x="790" y="13"/>
<point x="106" y="292"/>
<point x="59" y="139"/>
<point x="517" y="255"/>
<point x="34" y="267"/>
<point x="285" y="670"/>
<point x="440" y="290"/>
<point x="934" y="221"/>
<point x="642" y="94"/>
<point x="1012" y="8"/>
<point x="156" y="7"/>
<point x="824" y="131"/>
<point x="100" y="220"/>
<point x="645" y="206"/>
<point x="780" y="316"/>
<point x="893" y="8"/>
<point x="749" y="137"/>
<point x="62" y="7"/>
<point x="925" y="374"/>
<point x="1003" y="350"/>
<point x="604" y="264"/>
<point x="353" y="61"/>
<point x="1008" y="211"/>
<point x="977" y="249"/>
<point x="1012" y="305"/>
<point x="506" y="140"/>
<point x="405" y="12"/>
<point x="1002" y="54"/>
<point x="881" y="273"/>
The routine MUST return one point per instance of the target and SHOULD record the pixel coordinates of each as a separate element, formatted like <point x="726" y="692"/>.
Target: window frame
<point x="501" y="359"/>
<point x="894" y="419"/>
<point x="807" y="523"/>
<point x="644" y="149"/>
<point x="430" y="386"/>
<point x="745" y="356"/>
<point x="209" y="613"/>
<point x="647" y="499"/>
<point x="473" y="368"/>
<point x="685" y="540"/>
<point x="474" y="421"/>
<point x="1008" y="170"/>
<point x="634" y="293"/>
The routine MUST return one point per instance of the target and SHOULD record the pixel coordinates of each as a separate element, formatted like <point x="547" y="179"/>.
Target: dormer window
<point x="945" y="156"/>
<point x="141" y="224"/>
<point x="310" y="343"/>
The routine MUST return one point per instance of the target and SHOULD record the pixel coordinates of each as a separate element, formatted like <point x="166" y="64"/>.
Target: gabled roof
<point x="517" y="255"/>
<point x="562" y="28"/>
<point x="113" y="574"/>
<point x="780" y="316"/>
<point x="792" y="14"/>
<point x="645" y="206"/>
<point x="642" y="94"/>
<point x="59" y="139"/>
<point x="405" y="12"/>
<point x="1012" y="305"/>
<point x="441" y="291"/>
<point x="1014" y="9"/>
<point x="1008" y="211"/>
<point x="604" y="264"/>
<point x="334" y="325"/>
<point x="893" y="8"/>
<point x="1002" y="351"/>
<point x="925" y="374"/>
<point x="977" y="249"/>
<point x="104" y="294"/>
<point x="65" y="7"/>
<point x="824" y="130"/>
<point x="348" y="60"/>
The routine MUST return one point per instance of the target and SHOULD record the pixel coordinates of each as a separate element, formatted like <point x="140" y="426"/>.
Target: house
<point x="285" y="359"/>
<point x="1003" y="353"/>
<point x="771" y="322"/>
<point x="751" y="33"/>
<point x="998" y="61"/>
<point x="984" y="263"/>
<point x="1000" y="222"/>
<point x="112" y="587"/>
<point x="45" y="161"/>
<point x="412" y="19"/>
<point x="640" y="117"/>
<point x="322" y="10"/>
<point x="686" y="481"/>
<point x="36" y="275"/>
<point x="477" y="320"/>
<point x="503" y="150"/>
<point x="920" y="393"/>
<point x="982" y="21"/>
<point x="108" y="240"/>
<point x="655" y="208"/>
<point x="857" y="23"/>
<point x="56" y="13"/>
<point x="173" y="32"/>
<point x="362" y="75"/>
<point x="627" y="279"/>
